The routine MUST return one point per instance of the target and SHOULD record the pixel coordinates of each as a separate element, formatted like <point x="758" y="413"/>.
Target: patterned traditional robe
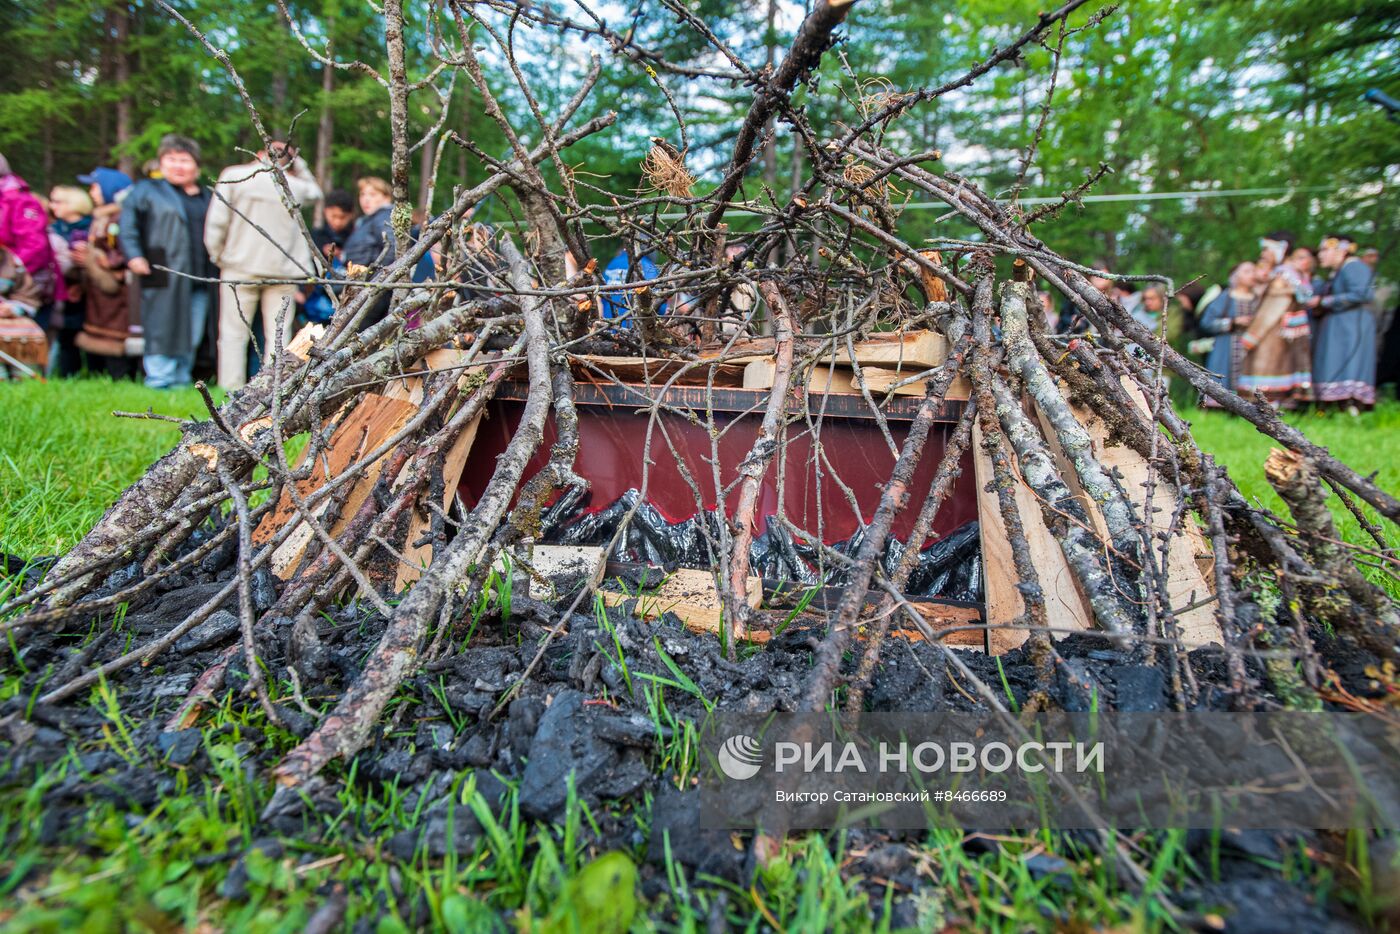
<point x="1226" y="317"/>
<point x="1344" y="358"/>
<point x="1277" y="354"/>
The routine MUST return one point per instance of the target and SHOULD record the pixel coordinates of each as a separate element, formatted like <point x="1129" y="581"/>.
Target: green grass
<point x="1369" y="444"/>
<point x="64" y="458"/>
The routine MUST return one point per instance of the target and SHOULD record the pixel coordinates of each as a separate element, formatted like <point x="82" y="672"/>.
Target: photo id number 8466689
<point x="973" y="794"/>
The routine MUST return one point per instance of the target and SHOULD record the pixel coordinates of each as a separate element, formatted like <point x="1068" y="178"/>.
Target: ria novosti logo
<point x="741" y="757"/>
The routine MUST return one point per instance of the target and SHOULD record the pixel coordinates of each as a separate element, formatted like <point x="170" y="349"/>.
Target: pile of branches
<point x="830" y="267"/>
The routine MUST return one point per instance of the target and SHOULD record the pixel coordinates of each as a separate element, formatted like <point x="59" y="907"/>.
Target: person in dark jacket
<point x="338" y="222"/>
<point x="1071" y="320"/>
<point x="162" y="225"/>
<point x="371" y="244"/>
<point x="372" y="241"/>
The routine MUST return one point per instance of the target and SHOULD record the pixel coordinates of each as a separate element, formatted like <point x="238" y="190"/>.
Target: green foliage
<point x="601" y="899"/>
<point x="64" y="458"/>
<point x="1173" y="95"/>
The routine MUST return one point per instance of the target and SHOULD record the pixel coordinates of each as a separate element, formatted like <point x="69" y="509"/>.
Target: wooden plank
<point x="300" y="344"/>
<point x="940" y="617"/>
<point x="910" y="350"/>
<point x="372" y="422"/>
<point x="824" y="379"/>
<point x="377" y="418"/>
<point x="821" y="380"/>
<point x="690" y="594"/>
<point x="879" y="380"/>
<point x="1199" y="547"/>
<point x="654" y="370"/>
<point x="412" y="389"/>
<point x="631" y="398"/>
<point x="935" y="289"/>
<point x="338" y="452"/>
<point x="1188" y="582"/>
<point x="419" y="556"/>
<point x="1064" y="607"/>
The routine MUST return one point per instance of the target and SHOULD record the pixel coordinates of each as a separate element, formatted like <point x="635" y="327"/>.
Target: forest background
<point x="1254" y="108"/>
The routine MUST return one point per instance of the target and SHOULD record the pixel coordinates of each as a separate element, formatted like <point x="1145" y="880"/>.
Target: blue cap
<point x="111" y="181"/>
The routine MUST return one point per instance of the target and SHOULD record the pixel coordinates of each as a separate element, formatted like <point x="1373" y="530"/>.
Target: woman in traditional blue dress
<point x="1226" y="317"/>
<point x="1344" y="346"/>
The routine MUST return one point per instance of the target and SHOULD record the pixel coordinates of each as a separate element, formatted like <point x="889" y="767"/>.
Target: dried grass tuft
<point x="665" y="171"/>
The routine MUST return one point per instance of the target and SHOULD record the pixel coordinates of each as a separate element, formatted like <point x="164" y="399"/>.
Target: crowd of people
<point x="1298" y="326"/>
<point x="133" y="276"/>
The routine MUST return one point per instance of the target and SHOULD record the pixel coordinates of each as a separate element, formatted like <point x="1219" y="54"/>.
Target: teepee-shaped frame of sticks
<point x="1098" y="508"/>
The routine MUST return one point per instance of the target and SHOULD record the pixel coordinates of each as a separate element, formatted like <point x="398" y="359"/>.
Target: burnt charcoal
<point x="675" y="816"/>
<point x="264" y="587"/>
<point x="433" y="735"/>
<point x="634" y="730"/>
<point x="612" y="677"/>
<point x="175" y="605"/>
<point x="220" y="557"/>
<point x="235" y="886"/>
<point x="304" y="649"/>
<point x="488" y="665"/>
<point x="173" y="685"/>
<point x="1138" y="688"/>
<point x="297" y="721"/>
<point x="178" y="747"/>
<point x="33" y="569"/>
<point x="631" y="774"/>
<point x="47" y="737"/>
<point x="399" y="764"/>
<point x="950" y="567"/>
<point x="98" y="761"/>
<point x="757" y="702"/>
<point x="476" y="750"/>
<point x="1247" y="844"/>
<point x="124" y="576"/>
<point x="886" y="861"/>
<point x="212" y="631"/>
<point x="1043" y="865"/>
<point x="900" y="684"/>
<point x="446" y="827"/>
<point x="567" y="744"/>
<point x="522" y="722"/>
<point x="906" y="914"/>
<point x="1078" y="688"/>
<point x="17" y="731"/>
<point x="1265" y="906"/>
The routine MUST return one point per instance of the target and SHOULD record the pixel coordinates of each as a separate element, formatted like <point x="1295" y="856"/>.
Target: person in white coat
<point x="255" y="240"/>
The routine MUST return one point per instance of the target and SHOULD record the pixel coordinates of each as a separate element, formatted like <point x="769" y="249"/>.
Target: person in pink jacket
<point x="24" y="230"/>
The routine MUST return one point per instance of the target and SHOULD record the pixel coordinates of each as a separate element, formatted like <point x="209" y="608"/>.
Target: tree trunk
<point x="425" y="176"/>
<point x="398" y="122"/>
<point x="325" y="128"/>
<point x="119" y="34"/>
<point x="770" y="144"/>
